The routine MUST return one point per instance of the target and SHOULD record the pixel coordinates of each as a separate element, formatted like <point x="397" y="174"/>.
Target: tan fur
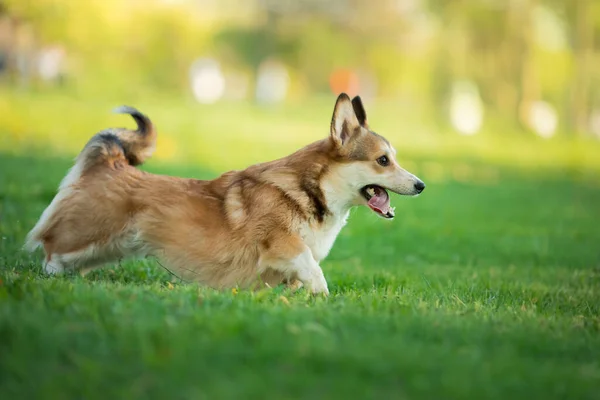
<point x="270" y="223"/>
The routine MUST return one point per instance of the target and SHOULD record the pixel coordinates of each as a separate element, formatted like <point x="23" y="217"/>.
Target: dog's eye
<point x="383" y="161"/>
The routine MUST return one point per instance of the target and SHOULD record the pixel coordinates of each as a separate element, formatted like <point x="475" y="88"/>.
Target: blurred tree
<point x="583" y="37"/>
<point x="411" y="49"/>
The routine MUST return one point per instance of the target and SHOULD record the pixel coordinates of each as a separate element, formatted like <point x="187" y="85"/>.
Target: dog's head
<point x="368" y="166"/>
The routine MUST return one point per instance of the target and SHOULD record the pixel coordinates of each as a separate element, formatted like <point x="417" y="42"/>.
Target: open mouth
<point x="378" y="200"/>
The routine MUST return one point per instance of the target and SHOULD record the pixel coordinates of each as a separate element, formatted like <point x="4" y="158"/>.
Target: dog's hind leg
<point x="96" y="254"/>
<point x="91" y="257"/>
<point x="58" y="263"/>
<point x="53" y="266"/>
<point x="294" y="284"/>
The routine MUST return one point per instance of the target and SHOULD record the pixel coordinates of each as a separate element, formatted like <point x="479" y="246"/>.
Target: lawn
<point x="486" y="286"/>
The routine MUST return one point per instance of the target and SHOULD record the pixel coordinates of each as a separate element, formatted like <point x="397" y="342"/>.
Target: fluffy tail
<point x="113" y="148"/>
<point x="117" y="146"/>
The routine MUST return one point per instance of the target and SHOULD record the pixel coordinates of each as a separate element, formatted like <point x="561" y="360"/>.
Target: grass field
<point x="486" y="286"/>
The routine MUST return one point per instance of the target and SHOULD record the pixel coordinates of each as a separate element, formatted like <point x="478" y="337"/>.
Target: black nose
<point x="419" y="186"/>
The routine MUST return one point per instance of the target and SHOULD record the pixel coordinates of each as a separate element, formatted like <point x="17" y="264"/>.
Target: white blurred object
<point x="466" y="108"/>
<point x="550" y="31"/>
<point x="208" y="83"/>
<point x="50" y="63"/>
<point x="272" y="82"/>
<point x="595" y="122"/>
<point x="542" y="118"/>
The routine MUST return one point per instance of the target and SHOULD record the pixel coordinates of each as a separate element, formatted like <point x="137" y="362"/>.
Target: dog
<point x="270" y="224"/>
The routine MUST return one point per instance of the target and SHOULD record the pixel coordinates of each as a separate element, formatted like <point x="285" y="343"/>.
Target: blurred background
<point x="486" y="286"/>
<point x="514" y="81"/>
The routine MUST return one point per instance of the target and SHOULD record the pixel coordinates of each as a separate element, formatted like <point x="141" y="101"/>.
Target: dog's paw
<point x="324" y="292"/>
<point x="53" y="267"/>
<point x="294" y="285"/>
<point x="318" y="286"/>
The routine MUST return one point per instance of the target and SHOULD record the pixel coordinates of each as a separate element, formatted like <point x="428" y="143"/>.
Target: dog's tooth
<point x="371" y="191"/>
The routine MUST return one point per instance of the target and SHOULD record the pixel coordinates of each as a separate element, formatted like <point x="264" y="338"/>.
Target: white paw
<point x="318" y="285"/>
<point x="53" y="268"/>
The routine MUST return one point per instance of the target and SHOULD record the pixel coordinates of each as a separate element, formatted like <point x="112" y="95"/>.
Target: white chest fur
<point x="321" y="237"/>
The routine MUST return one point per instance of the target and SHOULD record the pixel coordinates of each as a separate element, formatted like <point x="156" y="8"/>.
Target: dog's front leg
<point x="309" y="272"/>
<point x="294" y="259"/>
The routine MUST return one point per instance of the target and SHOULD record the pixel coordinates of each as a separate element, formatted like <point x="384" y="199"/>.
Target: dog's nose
<point x="419" y="186"/>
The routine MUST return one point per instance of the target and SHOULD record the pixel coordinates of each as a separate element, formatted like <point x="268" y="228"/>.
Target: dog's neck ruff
<point x="338" y="205"/>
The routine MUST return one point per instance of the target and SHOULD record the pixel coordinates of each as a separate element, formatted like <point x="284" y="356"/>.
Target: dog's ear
<point x="344" y="123"/>
<point x="360" y="112"/>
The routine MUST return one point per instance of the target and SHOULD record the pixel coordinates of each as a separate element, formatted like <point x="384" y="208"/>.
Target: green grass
<point x="486" y="286"/>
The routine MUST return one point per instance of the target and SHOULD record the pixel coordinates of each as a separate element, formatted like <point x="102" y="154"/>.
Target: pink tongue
<point x="380" y="202"/>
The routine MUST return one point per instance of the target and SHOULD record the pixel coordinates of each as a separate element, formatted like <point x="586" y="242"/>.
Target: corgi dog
<point x="270" y="224"/>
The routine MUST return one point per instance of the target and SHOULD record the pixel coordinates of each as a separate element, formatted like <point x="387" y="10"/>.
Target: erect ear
<point x="344" y="123"/>
<point x="360" y="112"/>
